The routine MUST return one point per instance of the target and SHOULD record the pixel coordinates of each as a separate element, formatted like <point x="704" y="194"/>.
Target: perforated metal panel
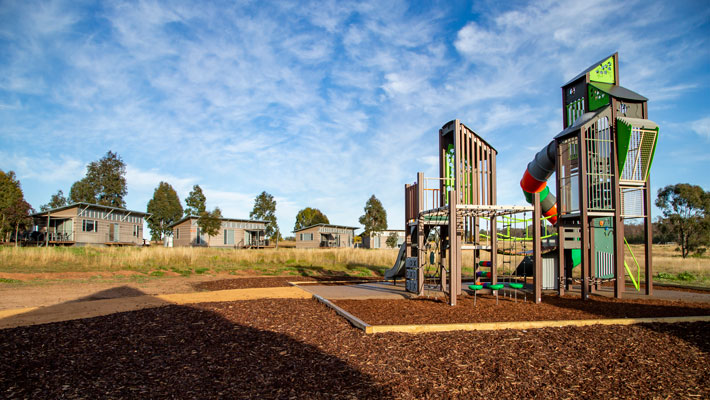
<point x="411" y="275"/>
<point x="632" y="204"/>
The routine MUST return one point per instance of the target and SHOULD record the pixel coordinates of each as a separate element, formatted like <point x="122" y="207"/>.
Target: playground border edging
<point x="495" y="326"/>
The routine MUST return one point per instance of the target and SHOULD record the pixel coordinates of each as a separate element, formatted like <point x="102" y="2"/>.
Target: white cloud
<point x="701" y="127"/>
<point x="46" y="168"/>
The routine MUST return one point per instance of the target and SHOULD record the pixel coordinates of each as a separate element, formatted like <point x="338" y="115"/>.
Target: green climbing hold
<point x="516" y="285"/>
<point x="475" y="287"/>
<point x="498" y="286"/>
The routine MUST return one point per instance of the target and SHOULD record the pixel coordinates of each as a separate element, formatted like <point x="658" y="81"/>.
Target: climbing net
<point x="514" y="239"/>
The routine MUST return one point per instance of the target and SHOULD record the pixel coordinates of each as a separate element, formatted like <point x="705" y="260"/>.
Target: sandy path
<point x="48" y="294"/>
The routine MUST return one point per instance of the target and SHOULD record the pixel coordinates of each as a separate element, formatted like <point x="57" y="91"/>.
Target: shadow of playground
<point x="170" y="351"/>
<point x="117" y="299"/>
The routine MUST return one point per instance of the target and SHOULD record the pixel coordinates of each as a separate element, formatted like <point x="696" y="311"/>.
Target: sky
<point x="325" y="103"/>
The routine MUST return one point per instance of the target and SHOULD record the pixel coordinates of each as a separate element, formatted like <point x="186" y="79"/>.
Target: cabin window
<point x="89" y="226"/>
<point x="177" y="233"/>
<point x="136" y="230"/>
<point x="306" y="237"/>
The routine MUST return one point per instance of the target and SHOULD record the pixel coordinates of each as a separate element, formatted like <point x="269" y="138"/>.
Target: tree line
<point x="685" y="208"/>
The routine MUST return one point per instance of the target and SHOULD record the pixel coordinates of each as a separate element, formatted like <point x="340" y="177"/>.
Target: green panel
<point x="653" y="153"/>
<point x="449" y="173"/>
<point x="597" y="98"/>
<point x="623" y="140"/>
<point x="603" y="229"/>
<point x="604" y="234"/>
<point x="604" y="72"/>
<point x="576" y="257"/>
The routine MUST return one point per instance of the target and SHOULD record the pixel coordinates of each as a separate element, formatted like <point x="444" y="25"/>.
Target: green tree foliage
<point x="265" y="210"/>
<point x="309" y="217"/>
<point x="392" y="240"/>
<point x="686" y="216"/>
<point x="196" y="202"/>
<point x="57" y="200"/>
<point x="82" y="192"/>
<point x="165" y="209"/>
<point x="14" y="210"/>
<point x="209" y="222"/>
<point x="375" y="217"/>
<point x="104" y="183"/>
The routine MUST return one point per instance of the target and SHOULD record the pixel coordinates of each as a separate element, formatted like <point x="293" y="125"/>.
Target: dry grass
<point x="187" y="260"/>
<point x="156" y="261"/>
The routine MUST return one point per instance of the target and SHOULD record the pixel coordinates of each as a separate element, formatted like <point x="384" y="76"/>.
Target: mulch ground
<point x="436" y="311"/>
<point x="275" y="281"/>
<point x="301" y="349"/>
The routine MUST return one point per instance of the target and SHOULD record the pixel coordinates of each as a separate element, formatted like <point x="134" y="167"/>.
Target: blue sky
<point x="325" y="103"/>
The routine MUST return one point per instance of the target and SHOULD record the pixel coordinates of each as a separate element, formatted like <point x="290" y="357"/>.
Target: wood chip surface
<point x="284" y="348"/>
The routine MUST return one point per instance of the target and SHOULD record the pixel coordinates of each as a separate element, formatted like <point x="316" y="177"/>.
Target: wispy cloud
<point x="701" y="127"/>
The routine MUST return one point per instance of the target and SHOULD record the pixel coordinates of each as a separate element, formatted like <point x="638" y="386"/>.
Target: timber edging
<point x="495" y="326"/>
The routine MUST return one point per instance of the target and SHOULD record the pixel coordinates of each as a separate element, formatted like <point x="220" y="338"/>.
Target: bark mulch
<point x="301" y="349"/>
<point x="436" y="311"/>
<point x="275" y="281"/>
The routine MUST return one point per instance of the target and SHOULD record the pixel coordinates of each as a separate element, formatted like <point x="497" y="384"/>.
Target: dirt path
<point x="76" y="286"/>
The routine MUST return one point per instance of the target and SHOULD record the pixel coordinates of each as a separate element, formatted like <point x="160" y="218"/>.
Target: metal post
<point x="537" y="249"/>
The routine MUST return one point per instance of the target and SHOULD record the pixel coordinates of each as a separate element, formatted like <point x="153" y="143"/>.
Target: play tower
<point x="601" y="159"/>
<point x="460" y="204"/>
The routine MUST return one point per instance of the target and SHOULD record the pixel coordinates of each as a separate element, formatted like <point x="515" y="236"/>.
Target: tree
<point x="209" y="223"/>
<point x="104" y="183"/>
<point x="265" y="210"/>
<point x="309" y="217"/>
<point x="195" y="202"/>
<point x="686" y="215"/>
<point x="164" y="209"/>
<point x="82" y="192"/>
<point x="57" y="200"/>
<point x="14" y="210"/>
<point x="18" y="216"/>
<point x="375" y="217"/>
<point x="392" y="240"/>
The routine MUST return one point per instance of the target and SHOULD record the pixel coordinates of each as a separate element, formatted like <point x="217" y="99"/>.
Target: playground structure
<point x="601" y="159"/>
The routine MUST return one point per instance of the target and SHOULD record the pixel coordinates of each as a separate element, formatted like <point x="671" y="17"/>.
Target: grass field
<point x="156" y="262"/>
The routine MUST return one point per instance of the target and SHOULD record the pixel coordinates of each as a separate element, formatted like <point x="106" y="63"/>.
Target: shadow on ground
<point x="170" y="351"/>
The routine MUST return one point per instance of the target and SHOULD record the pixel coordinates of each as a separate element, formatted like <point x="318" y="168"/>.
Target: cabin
<point x="378" y="240"/>
<point x="324" y="236"/>
<point x="233" y="233"/>
<point x="81" y="224"/>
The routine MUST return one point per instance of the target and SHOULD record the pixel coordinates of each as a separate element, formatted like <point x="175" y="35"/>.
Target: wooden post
<point x="583" y="212"/>
<point x="537" y="249"/>
<point x="46" y="235"/>
<point x="454" y="250"/>
<point x="592" y="258"/>
<point x="618" y="228"/>
<point x="420" y="257"/>
<point x="648" y="229"/>
<point x="561" y="264"/>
